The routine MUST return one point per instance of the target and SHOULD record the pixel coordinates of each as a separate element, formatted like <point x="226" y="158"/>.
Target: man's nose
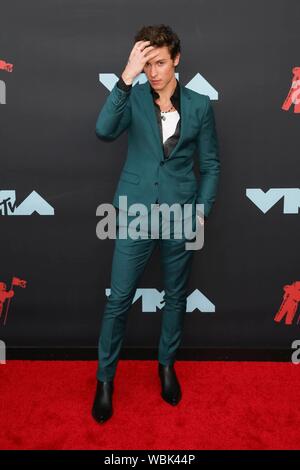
<point x="153" y="73"/>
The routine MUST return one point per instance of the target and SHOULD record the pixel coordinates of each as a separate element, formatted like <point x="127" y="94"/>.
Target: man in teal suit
<point x="166" y="124"/>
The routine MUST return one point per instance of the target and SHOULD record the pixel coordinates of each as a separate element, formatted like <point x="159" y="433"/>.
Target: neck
<point x="166" y="93"/>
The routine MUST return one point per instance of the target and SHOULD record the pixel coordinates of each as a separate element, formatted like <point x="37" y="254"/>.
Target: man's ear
<point x="176" y="60"/>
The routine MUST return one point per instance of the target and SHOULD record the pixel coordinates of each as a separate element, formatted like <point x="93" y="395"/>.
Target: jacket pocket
<point x="130" y="177"/>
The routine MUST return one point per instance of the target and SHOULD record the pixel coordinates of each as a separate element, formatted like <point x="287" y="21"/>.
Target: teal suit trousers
<point x="130" y="259"/>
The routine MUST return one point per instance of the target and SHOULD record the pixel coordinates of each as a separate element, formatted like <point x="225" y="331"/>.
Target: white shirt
<point x="169" y="123"/>
<point x="168" y="128"/>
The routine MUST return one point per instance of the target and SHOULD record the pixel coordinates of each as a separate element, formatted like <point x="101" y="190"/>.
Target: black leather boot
<point x="102" y="408"/>
<point x="171" y="391"/>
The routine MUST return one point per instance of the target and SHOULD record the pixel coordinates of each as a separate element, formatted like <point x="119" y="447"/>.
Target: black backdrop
<point x="246" y="50"/>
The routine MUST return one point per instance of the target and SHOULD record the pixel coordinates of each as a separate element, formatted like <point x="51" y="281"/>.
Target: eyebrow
<point x="159" y="60"/>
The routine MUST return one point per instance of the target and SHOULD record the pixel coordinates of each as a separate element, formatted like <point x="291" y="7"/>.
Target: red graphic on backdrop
<point x="8" y="294"/>
<point x="289" y="305"/>
<point x="6" y="66"/>
<point x="293" y="96"/>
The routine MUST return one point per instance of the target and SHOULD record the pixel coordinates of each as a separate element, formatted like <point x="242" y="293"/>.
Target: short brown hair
<point x="160" y="35"/>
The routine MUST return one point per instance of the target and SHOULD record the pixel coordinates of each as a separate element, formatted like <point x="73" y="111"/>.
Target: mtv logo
<point x="198" y="83"/>
<point x="33" y="203"/>
<point x="266" y="200"/>
<point x="152" y="299"/>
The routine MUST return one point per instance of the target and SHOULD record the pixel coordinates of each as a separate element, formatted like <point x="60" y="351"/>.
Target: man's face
<point x="160" y="70"/>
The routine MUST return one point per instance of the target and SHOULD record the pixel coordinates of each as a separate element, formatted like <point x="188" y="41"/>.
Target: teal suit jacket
<point x="146" y="175"/>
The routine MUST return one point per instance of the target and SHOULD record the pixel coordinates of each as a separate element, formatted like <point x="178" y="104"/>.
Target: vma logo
<point x="152" y="299"/>
<point x="7" y="295"/>
<point x="266" y="200"/>
<point x="33" y="203"/>
<point x="289" y="305"/>
<point x="293" y="97"/>
<point x="198" y="83"/>
<point x="8" y="68"/>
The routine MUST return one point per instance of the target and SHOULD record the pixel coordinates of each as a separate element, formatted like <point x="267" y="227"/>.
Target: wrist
<point x="127" y="79"/>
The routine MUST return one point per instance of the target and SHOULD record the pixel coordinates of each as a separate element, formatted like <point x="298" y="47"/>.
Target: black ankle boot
<point x="171" y="391"/>
<point x="102" y="408"/>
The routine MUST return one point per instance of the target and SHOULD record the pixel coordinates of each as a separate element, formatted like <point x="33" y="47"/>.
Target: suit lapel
<point x="185" y="112"/>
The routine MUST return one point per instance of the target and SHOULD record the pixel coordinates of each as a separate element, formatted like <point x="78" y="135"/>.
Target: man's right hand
<point x="140" y="54"/>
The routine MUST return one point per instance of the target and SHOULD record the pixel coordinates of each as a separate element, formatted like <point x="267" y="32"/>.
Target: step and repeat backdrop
<point x="59" y="60"/>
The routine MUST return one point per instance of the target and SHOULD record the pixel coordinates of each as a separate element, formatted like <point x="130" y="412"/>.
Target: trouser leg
<point x="129" y="261"/>
<point x="176" y="264"/>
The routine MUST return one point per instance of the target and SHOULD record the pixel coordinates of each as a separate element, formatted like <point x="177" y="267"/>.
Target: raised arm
<point x="115" y="115"/>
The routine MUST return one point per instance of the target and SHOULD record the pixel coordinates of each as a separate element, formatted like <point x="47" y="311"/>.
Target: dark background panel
<point x="246" y="50"/>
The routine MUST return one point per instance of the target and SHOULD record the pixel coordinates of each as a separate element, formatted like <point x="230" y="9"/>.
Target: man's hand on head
<point x="139" y="55"/>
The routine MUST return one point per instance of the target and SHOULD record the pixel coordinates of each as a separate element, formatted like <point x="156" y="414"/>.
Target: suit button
<point x="162" y="163"/>
<point x="156" y="184"/>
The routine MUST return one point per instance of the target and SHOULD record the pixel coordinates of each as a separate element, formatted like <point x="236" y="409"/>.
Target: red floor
<point x="225" y="405"/>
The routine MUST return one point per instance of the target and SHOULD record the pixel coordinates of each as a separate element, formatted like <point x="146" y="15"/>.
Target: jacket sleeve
<point x="115" y="115"/>
<point x="209" y="162"/>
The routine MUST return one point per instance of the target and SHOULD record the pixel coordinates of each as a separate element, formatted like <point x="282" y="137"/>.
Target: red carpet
<point x="225" y="405"/>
